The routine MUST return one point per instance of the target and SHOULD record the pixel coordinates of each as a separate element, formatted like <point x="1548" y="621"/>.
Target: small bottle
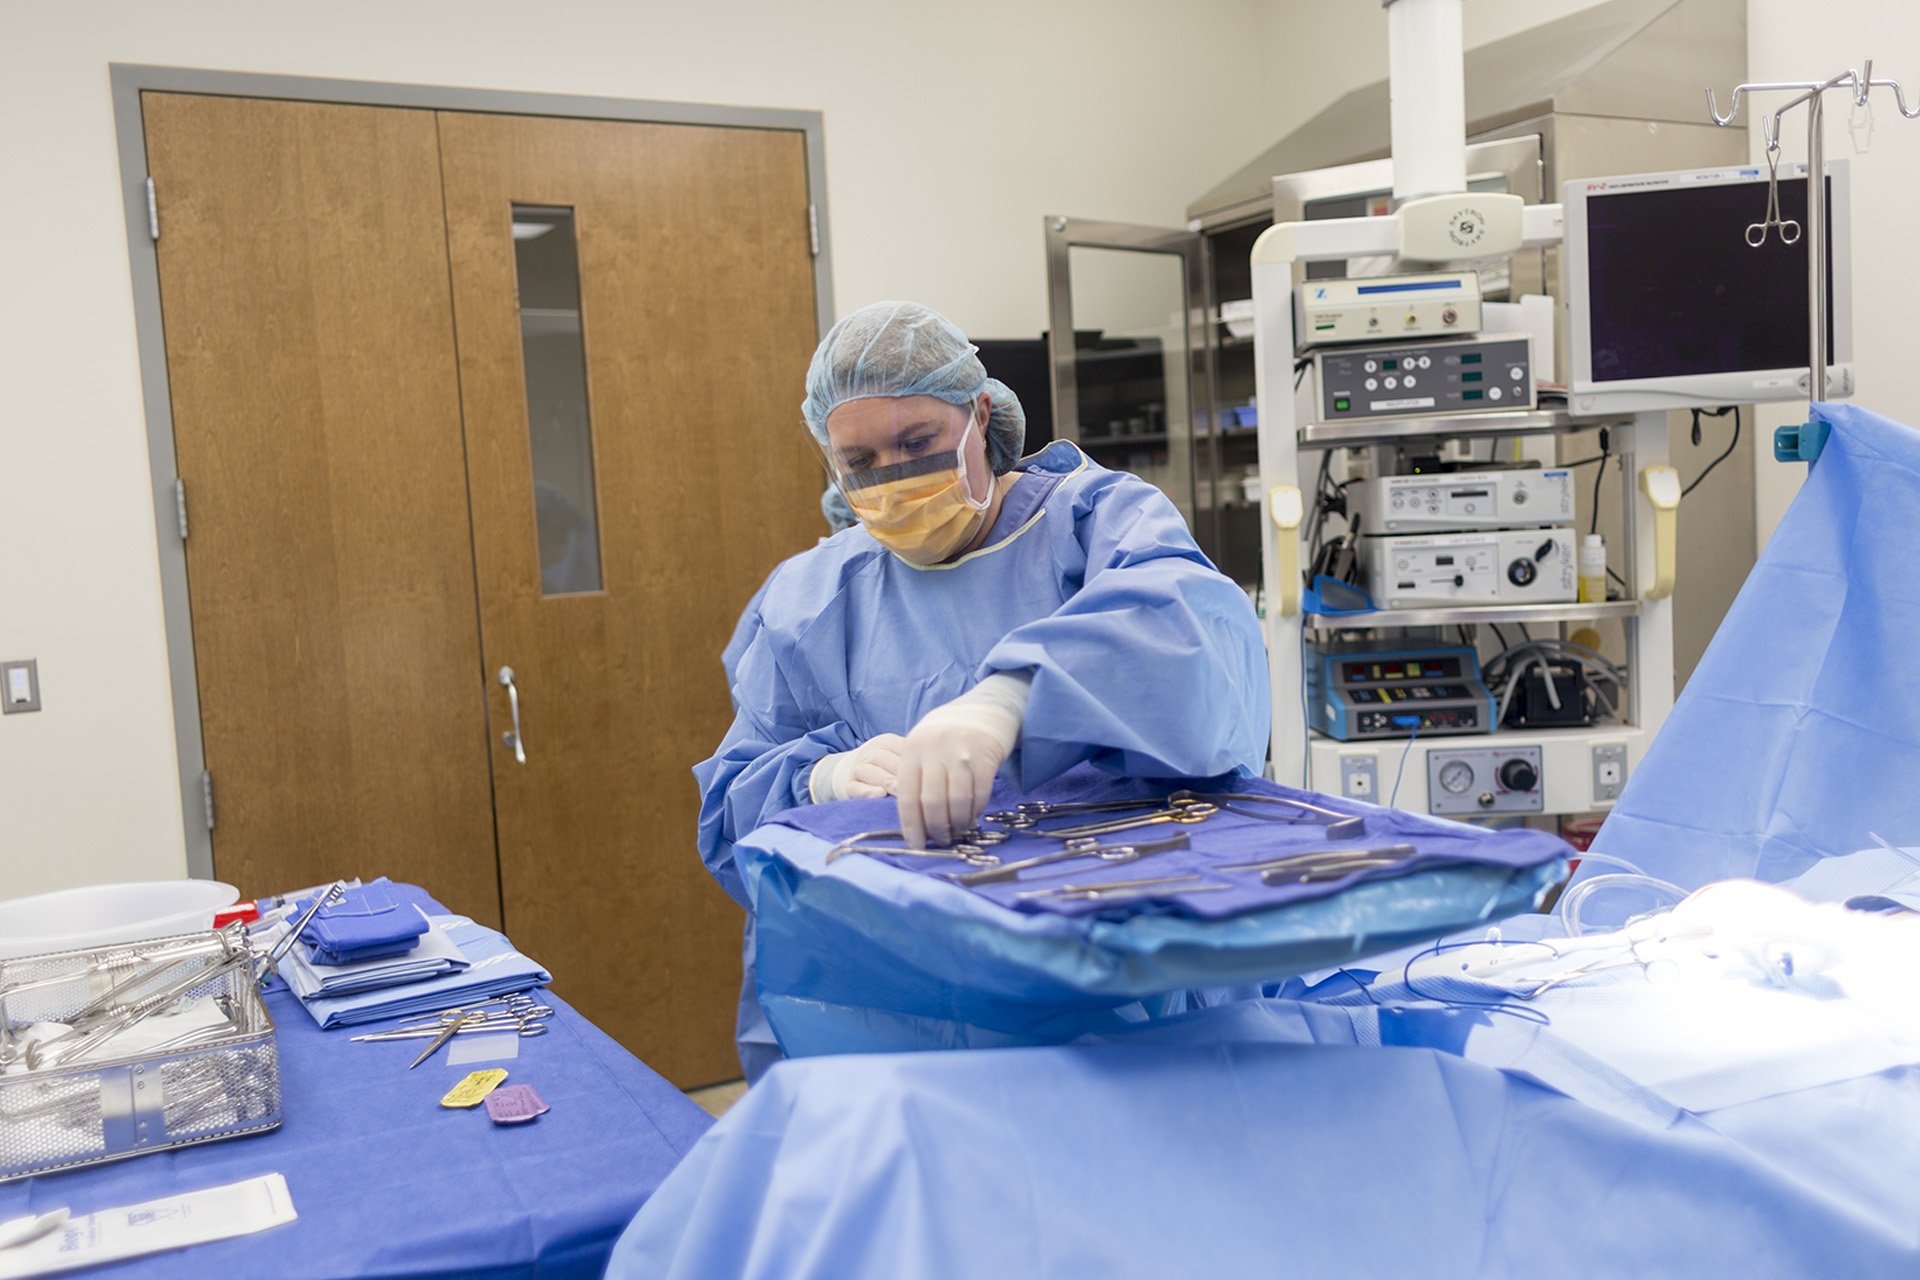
<point x="1593" y="569"/>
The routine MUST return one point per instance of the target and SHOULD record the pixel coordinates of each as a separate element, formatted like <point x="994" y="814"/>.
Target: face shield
<point x="921" y="489"/>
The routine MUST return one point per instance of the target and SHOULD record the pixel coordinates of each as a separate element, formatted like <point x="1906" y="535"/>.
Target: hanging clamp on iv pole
<point x="1803" y="442"/>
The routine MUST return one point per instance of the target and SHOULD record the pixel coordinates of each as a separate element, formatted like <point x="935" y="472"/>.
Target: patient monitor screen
<point x="1675" y="289"/>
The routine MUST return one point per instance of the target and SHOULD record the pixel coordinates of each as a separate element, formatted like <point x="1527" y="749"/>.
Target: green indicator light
<point x="1342" y="405"/>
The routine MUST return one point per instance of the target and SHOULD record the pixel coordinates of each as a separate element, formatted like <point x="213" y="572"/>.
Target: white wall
<point x="1783" y="45"/>
<point x="951" y="129"/>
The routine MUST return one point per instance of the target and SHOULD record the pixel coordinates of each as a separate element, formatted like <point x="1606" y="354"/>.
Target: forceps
<point x="1115" y="854"/>
<point x="1177" y="810"/>
<point x="1158" y="886"/>
<point x="1340" y="826"/>
<point x="971" y="847"/>
<point x="1030" y="813"/>
<point x="1757" y="231"/>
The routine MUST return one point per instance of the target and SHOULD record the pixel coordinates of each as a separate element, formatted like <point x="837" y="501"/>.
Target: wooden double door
<point x="409" y="465"/>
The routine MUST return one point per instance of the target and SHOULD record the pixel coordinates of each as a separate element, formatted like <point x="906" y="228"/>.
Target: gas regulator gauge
<point x="1456" y="776"/>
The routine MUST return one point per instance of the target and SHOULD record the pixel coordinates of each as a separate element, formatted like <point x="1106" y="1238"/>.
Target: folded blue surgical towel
<point x="372" y="922"/>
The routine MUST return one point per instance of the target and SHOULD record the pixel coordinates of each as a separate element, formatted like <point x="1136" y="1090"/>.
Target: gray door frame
<point x="129" y="81"/>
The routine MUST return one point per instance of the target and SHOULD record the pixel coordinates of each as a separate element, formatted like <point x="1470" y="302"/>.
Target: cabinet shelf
<point x="1121" y="442"/>
<point x="1509" y="422"/>
<point x="1468" y="615"/>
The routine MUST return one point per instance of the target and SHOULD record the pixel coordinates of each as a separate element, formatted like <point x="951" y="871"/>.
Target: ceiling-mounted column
<point x="1428" y="92"/>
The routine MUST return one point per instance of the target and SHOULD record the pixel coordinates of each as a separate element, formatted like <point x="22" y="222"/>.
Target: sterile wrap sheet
<point x="859" y="955"/>
<point x="1799" y="732"/>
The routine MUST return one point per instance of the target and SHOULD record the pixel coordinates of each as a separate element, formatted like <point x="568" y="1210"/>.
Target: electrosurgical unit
<point x="1355" y="694"/>
<point x="1514" y="566"/>
<point x="1420" y="379"/>
<point x="1462" y="500"/>
<point x="1371" y="309"/>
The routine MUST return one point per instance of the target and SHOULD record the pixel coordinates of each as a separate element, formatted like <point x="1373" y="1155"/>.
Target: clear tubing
<point x="1612" y="861"/>
<point x="1575" y="898"/>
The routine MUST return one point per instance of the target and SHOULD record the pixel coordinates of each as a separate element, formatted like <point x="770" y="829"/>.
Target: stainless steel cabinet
<point x="1156" y="376"/>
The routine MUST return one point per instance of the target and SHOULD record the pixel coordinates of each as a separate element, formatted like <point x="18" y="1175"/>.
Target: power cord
<point x="1403" y="722"/>
<point x="1600" y="472"/>
<point x="1731" y="444"/>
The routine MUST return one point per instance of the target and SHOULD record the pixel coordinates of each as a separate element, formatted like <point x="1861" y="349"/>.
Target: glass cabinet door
<point x="1129" y="353"/>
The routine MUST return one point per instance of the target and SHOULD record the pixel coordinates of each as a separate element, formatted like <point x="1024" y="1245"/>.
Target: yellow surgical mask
<point x="923" y="510"/>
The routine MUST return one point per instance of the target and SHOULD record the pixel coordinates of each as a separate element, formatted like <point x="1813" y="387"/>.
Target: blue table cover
<point x="860" y="955"/>
<point x="389" y="1183"/>
<point x="1232" y="1157"/>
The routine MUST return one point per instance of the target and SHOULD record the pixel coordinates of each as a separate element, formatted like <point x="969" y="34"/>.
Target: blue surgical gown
<point x="1145" y="659"/>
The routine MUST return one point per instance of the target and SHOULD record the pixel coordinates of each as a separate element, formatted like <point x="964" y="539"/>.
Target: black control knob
<point x="1518" y="775"/>
<point x="1521" y="572"/>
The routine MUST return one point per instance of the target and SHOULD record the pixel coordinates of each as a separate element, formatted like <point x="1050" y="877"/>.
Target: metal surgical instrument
<point x="1321" y="864"/>
<point x="1030" y="813"/>
<point x="1314" y="872"/>
<point x="971" y="847"/>
<point x="270" y="962"/>
<point x="1340" y="826"/>
<point x="448" y="1032"/>
<point x="1115" y="854"/>
<point x="1182" y="811"/>
<point x="529" y="1022"/>
<point x="1153" y="888"/>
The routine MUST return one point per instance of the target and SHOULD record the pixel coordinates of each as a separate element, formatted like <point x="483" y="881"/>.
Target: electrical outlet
<point x="1609" y="771"/>
<point x="1360" y="777"/>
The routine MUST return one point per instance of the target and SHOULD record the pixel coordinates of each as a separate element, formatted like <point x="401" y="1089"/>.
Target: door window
<point x="547" y="262"/>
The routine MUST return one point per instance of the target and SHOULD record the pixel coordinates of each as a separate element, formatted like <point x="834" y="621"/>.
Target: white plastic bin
<point x="101" y="914"/>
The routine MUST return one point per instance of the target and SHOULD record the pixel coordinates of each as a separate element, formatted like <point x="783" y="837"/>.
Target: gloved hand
<point x="950" y="758"/>
<point x="865" y="773"/>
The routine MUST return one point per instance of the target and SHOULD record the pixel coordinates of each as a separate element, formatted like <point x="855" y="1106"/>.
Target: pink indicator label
<point x="515" y="1104"/>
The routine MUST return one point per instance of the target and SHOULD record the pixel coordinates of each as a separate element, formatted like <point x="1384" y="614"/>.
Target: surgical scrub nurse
<point x="986" y="614"/>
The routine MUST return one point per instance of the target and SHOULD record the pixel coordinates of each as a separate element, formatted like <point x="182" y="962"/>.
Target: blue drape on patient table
<point x="1799" y="732"/>
<point x="1266" y="1159"/>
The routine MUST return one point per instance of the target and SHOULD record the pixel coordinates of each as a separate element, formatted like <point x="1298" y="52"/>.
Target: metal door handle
<point x="512" y="736"/>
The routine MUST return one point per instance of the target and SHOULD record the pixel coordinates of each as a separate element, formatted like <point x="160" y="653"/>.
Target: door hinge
<point x="153" y="211"/>
<point x="180" y="506"/>
<point x="813" y="228"/>
<point x="206" y="789"/>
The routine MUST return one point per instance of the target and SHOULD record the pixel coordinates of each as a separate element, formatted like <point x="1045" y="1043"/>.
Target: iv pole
<point x="1859" y="85"/>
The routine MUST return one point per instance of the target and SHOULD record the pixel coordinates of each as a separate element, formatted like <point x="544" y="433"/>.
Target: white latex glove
<point x="865" y="773"/>
<point x="950" y="758"/>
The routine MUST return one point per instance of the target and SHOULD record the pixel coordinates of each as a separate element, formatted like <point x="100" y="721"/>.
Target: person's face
<point x="885" y="431"/>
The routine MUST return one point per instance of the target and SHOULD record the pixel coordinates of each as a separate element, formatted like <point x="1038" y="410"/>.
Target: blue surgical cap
<point x="905" y="349"/>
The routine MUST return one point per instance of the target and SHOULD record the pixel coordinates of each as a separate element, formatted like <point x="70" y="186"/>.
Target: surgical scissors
<point x="1087" y="847"/>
